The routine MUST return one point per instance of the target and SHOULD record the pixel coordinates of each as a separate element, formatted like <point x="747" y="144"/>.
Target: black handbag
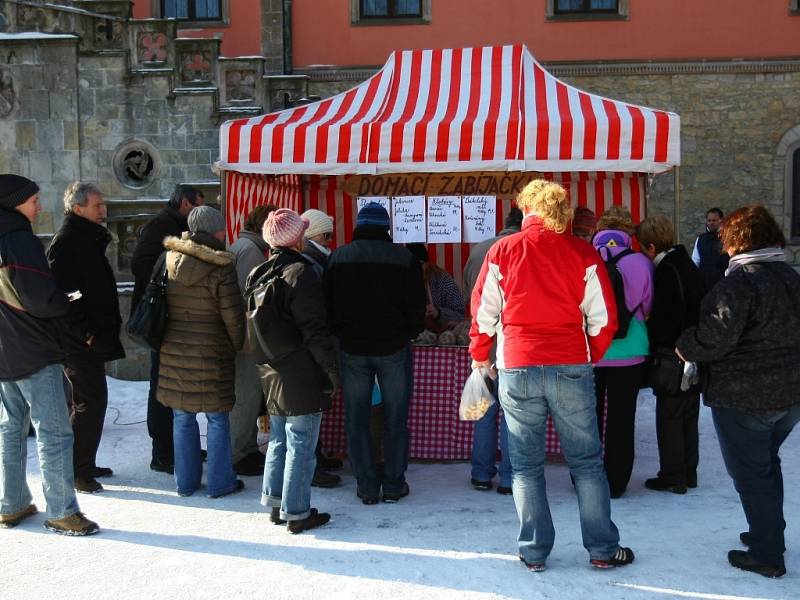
<point x="664" y="371"/>
<point x="149" y="320"/>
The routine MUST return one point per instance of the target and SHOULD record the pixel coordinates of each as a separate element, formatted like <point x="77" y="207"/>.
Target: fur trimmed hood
<point x="189" y="261"/>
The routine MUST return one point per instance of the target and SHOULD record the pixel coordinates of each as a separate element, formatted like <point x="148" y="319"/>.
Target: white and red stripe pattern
<point x="244" y="191"/>
<point x="467" y="109"/>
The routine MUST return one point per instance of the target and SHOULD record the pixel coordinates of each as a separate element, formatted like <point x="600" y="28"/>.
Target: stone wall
<point x="733" y="118"/>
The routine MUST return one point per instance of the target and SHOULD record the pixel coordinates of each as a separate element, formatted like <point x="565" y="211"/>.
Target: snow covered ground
<point x="444" y="541"/>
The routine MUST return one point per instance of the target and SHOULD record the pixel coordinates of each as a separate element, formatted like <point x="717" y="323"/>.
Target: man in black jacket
<point x="171" y="221"/>
<point x="707" y="253"/>
<point x="77" y="257"/>
<point x="375" y="297"/>
<point x="31" y="379"/>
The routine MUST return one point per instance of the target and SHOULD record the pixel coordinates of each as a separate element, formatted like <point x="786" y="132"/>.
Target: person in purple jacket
<point x="619" y="374"/>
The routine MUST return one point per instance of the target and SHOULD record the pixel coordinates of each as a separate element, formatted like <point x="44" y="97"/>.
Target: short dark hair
<point x="513" y="218"/>
<point x="255" y="220"/>
<point x="182" y="191"/>
<point x="750" y="228"/>
<point x="716" y="210"/>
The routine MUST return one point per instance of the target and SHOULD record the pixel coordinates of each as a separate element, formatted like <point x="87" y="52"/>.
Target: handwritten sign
<point x="384" y="201"/>
<point x="408" y="219"/>
<point x="444" y="219"/>
<point x="479" y="217"/>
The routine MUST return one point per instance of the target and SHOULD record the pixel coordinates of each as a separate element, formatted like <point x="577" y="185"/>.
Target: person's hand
<point x="485" y="364"/>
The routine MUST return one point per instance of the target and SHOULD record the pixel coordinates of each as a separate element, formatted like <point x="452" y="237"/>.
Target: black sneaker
<point x="742" y="560"/>
<point x="87" y="485"/>
<point x="745" y="538"/>
<point x="535" y="567"/>
<point x="504" y="491"/>
<point x="236" y="488"/>
<point x="367" y="499"/>
<point x="322" y="479"/>
<point x="101" y="472"/>
<point x="622" y="557"/>
<point x="659" y="485"/>
<point x="251" y="465"/>
<point x="483" y="486"/>
<point x="275" y="516"/>
<point x="315" y="519"/>
<point x="162" y="466"/>
<point x="393" y="498"/>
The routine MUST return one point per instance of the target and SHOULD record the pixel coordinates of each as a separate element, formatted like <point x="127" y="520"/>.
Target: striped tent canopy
<point x="467" y="109"/>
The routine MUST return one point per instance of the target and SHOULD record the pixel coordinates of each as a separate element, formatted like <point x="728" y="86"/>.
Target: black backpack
<point x="624" y="315"/>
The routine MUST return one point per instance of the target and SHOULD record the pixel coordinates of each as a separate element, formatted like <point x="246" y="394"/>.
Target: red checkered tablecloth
<point x="436" y="432"/>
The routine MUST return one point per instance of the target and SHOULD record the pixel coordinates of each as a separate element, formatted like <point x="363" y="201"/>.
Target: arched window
<point x="794" y="181"/>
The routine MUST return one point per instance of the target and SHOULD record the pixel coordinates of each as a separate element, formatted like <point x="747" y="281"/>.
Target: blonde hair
<point x="617" y="217"/>
<point x="656" y="230"/>
<point x="547" y="200"/>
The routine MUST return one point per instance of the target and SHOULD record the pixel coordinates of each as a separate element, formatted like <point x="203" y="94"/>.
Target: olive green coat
<point x="205" y="326"/>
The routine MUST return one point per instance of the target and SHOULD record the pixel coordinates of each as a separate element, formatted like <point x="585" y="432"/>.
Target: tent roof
<point x="467" y="109"/>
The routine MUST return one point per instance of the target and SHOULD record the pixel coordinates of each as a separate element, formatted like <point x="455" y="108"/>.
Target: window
<point x="192" y="10"/>
<point x="794" y="181"/>
<point x="564" y="10"/>
<point x="390" y="12"/>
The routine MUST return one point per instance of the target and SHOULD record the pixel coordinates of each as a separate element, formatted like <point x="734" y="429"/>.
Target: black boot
<point x="743" y="560"/>
<point x="315" y="519"/>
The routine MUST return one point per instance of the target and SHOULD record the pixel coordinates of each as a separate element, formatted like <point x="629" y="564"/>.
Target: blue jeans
<point x="567" y="392"/>
<point x="395" y="380"/>
<point x="484" y="446"/>
<point x="220" y="477"/>
<point x="750" y="445"/>
<point x="290" y="465"/>
<point x="38" y="398"/>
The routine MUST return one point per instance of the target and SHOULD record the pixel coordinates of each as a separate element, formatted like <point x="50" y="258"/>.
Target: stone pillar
<point x="272" y="35"/>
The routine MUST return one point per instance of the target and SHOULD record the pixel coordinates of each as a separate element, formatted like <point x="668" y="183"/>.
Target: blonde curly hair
<point x="617" y="217"/>
<point x="547" y="200"/>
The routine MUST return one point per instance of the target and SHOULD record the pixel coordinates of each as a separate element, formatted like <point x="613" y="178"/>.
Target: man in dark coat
<point x="77" y="257"/>
<point x="707" y="253"/>
<point x="375" y="296"/>
<point x="31" y="379"/>
<point x="171" y="221"/>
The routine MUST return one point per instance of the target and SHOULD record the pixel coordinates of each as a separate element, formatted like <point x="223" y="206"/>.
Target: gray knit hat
<point x="206" y="218"/>
<point x="15" y="190"/>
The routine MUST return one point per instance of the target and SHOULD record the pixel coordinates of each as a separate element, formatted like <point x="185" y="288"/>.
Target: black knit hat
<point x="15" y="190"/>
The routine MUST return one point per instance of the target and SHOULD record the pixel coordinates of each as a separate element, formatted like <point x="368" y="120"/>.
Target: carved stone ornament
<point x="241" y="85"/>
<point x="8" y="97"/>
<point x="107" y="32"/>
<point x="152" y="47"/>
<point x="196" y="66"/>
<point x="136" y="164"/>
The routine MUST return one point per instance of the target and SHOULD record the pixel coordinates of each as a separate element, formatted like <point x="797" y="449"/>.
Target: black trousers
<point x="621" y="386"/>
<point x="676" y="428"/>
<point x="88" y="400"/>
<point x="159" y="418"/>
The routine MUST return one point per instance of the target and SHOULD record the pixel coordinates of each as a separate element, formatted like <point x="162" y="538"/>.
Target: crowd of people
<point x="566" y="311"/>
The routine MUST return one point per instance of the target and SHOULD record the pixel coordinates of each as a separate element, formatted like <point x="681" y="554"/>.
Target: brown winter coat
<point x="205" y="326"/>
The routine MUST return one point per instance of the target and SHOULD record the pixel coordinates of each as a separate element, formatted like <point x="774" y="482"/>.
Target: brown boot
<point x="74" y="525"/>
<point x="18" y="517"/>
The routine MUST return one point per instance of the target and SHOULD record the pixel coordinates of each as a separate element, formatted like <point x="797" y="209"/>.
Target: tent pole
<point x="676" y="215"/>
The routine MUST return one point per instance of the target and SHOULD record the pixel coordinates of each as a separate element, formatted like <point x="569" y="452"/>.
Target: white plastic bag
<point x="476" y="397"/>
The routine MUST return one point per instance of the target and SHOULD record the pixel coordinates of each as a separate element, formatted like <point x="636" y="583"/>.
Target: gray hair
<point x="77" y="194"/>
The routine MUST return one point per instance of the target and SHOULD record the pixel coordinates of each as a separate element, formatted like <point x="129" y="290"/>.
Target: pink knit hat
<point x="284" y="228"/>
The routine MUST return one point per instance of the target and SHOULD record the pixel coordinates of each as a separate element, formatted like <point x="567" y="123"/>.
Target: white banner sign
<point x="479" y="218"/>
<point x="408" y="219"/>
<point x="444" y="220"/>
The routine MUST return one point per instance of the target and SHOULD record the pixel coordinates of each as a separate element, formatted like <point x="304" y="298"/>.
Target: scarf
<point x="755" y="256"/>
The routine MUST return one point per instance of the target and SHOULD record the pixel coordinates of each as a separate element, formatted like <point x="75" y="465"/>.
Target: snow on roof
<point x="37" y="35"/>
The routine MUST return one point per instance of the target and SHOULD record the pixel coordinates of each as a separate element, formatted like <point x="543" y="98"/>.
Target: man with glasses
<point x="171" y="221"/>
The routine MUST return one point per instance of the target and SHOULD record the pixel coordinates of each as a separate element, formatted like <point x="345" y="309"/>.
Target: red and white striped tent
<point x="456" y="110"/>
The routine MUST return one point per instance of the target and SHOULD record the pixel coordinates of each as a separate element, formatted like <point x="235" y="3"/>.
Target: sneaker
<point x="100" y="472"/>
<point x="743" y="560"/>
<point x="745" y="538"/>
<point x="483" y="486"/>
<point x="238" y="487"/>
<point x="322" y="479"/>
<point x="659" y="485"/>
<point x="367" y="499"/>
<point x="275" y="516"/>
<point x="162" y="466"/>
<point x="315" y="519"/>
<point x="87" y="485"/>
<point x="504" y="491"/>
<point x="532" y="566"/>
<point x="622" y="557"/>
<point x="14" y="519"/>
<point x="251" y="465"/>
<point x="393" y="498"/>
<point x="74" y="525"/>
<point x="329" y="463"/>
